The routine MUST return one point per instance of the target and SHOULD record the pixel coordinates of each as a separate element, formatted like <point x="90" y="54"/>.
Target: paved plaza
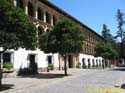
<point x="78" y="81"/>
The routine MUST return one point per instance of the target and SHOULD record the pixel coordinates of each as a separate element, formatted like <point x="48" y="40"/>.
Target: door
<point x="70" y="61"/>
<point x="32" y="58"/>
<point x="49" y="59"/>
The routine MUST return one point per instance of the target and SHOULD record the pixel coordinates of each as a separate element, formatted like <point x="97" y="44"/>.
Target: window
<point x="89" y="64"/>
<point x="40" y="14"/>
<point x="96" y="60"/>
<point x="54" y="20"/>
<point x="40" y="30"/>
<point x="47" y="17"/>
<point x="87" y="49"/>
<point x="32" y="58"/>
<point x="47" y="30"/>
<point x="6" y="57"/>
<point x="19" y="3"/>
<point x="30" y="9"/>
<point x="83" y="60"/>
<point x="88" y="60"/>
<point x="49" y="59"/>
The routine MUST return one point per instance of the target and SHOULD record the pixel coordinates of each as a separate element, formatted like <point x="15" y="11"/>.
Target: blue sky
<point x="93" y="13"/>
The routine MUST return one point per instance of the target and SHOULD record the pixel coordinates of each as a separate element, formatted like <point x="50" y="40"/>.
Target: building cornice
<point x="68" y="15"/>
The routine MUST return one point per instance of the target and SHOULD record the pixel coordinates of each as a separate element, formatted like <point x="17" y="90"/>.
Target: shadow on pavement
<point x="119" y="69"/>
<point x="7" y="87"/>
<point x="45" y="76"/>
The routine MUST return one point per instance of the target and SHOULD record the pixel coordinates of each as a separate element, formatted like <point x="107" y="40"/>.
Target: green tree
<point x="105" y="33"/>
<point x="109" y="39"/>
<point x="106" y="51"/>
<point x="120" y="32"/>
<point x="66" y="37"/>
<point x="16" y="31"/>
<point x="123" y="50"/>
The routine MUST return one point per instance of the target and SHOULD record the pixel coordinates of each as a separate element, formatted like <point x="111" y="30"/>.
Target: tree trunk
<point x="65" y="64"/>
<point x="1" y="70"/>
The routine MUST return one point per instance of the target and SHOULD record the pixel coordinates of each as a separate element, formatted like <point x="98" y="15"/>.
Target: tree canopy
<point x="66" y="37"/>
<point x="105" y="33"/>
<point x="121" y="22"/>
<point x="121" y="31"/>
<point x="109" y="39"/>
<point x="16" y="30"/>
<point x="106" y="51"/>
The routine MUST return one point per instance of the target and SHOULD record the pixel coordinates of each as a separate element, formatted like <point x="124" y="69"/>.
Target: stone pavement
<point x="45" y="78"/>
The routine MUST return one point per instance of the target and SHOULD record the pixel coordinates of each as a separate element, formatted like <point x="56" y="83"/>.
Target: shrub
<point x="51" y="66"/>
<point x="78" y="65"/>
<point x="8" y="65"/>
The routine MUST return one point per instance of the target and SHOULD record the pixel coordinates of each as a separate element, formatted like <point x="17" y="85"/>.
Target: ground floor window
<point x="32" y="58"/>
<point x="6" y="57"/>
<point x="6" y="60"/>
<point x="49" y="59"/>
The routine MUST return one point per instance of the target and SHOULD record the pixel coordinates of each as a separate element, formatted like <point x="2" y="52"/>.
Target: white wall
<point x="86" y="57"/>
<point x="20" y="58"/>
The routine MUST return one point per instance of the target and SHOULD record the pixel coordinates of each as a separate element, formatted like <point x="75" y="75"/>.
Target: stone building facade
<point x="44" y="15"/>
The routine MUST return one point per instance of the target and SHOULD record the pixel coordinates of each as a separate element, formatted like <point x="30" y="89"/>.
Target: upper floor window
<point x="30" y="9"/>
<point x="40" y="14"/>
<point x="47" y="30"/>
<point x="47" y="17"/>
<point x="54" y="20"/>
<point x="40" y="30"/>
<point x="19" y="3"/>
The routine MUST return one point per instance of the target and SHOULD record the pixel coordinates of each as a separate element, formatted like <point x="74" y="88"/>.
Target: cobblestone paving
<point x="80" y="82"/>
